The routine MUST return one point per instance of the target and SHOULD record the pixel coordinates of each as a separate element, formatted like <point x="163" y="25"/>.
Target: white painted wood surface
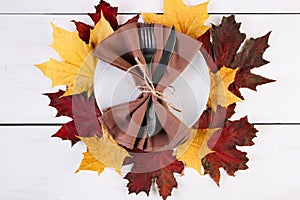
<point x="27" y="40"/>
<point x="35" y="166"/>
<point x="133" y="6"/>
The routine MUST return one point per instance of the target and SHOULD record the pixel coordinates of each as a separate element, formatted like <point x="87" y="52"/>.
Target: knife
<point x="158" y="74"/>
<point x="165" y="58"/>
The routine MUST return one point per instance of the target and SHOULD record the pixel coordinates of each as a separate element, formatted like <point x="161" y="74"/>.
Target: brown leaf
<point x="227" y="39"/>
<point x="82" y="110"/>
<point x="226" y="155"/>
<point x="84" y="31"/>
<point x="153" y="166"/>
<point x="207" y="50"/>
<point x="250" y="57"/>
<point x="110" y="14"/>
<point x="211" y="119"/>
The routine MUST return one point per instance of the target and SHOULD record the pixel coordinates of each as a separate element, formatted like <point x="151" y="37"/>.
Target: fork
<point x="147" y="43"/>
<point x="148" y="47"/>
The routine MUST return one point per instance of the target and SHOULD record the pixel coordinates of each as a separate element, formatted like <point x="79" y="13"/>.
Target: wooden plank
<point x="81" y="6"/>
<point x="35" y="166"/>
<point x="26" y="40"/>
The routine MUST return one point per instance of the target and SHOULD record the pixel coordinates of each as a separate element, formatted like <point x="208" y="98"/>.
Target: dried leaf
<point x="90" y="163"/>
<point x="192" y="151"/>
<point x="76" y="70"/>
<point x="249" y="58"/>
<point x="106" y="150"/>
<point x="151" y="167"/>
<point x="110" y="14"/>
<point x="226" y="155"/>
<point x="227" y="39"/>
<point x="207" y="50"/>
<point x="82" y="110"/>
<point x="186" y="19"/>
<point x="211" y="119"/>
<point x="101" y="31"/>
<point x="84" y="31"/>
<point x="219" y="92"/>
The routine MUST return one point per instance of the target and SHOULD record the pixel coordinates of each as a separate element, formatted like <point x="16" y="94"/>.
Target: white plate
<point x="191" y="95"/>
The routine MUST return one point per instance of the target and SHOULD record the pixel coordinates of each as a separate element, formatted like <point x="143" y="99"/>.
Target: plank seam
<point x="213" y="13"/>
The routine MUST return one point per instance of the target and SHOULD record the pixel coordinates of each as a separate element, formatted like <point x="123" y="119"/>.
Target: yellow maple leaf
<point x="76" y="70"/>
<point x="186" y="19"/>
<point x="89" y="162"/>
<point x="193" y="150"/>
<point x="219" y="93"/>
<point x="106" y="150"/>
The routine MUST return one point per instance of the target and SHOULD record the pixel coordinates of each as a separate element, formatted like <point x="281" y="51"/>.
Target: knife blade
<point x="165" y="58"/>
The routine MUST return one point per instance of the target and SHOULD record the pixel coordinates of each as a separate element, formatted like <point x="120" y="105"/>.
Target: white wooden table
<point x="35" y="166"/>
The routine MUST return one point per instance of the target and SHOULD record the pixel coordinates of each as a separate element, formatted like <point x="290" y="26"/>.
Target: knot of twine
<point x="149" y="85"/>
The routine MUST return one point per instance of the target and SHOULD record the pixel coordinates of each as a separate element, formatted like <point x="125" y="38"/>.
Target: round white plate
<point x="191" y="94"/>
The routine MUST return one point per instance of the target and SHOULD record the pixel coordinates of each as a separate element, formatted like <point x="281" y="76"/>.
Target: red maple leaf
<point x="211" y="119"/>
<point x="250" y="57"/>
<point x="226" y="40"/>
<point x="83" y="111"/>
<point x="150" y="167"/>
<point x="226" y="155"/>
<point x="207" y="50"/>
<point x="84" y="31"/>
<point x="110" y="14"/>
<point x="222" y="51"/>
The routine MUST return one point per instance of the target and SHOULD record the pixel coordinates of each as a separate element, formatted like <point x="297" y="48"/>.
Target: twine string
<point x="149" y="85"/>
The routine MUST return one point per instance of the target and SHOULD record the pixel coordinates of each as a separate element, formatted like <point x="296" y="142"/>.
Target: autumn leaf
<point x="84" y="30"/>
<point x="192" y="151"/>
<point x="224" y="143"/>
<point x="250" y="57"/>
<point x="226" y="40"/>
<point x="83" y="111"/>
<point x="110" y="14"/>
<point x="186" y="19"/>
<point x="106" y="150"/>
<point x="207" y="50"/>
<point x="215" y="119"/>
<point x="219" y="92"/>
<point x="90" y="163"/>
<point x="76" y="70"/>
<point x="151" y="167"/>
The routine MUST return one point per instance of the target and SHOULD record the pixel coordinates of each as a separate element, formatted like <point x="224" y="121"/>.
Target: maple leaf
<point x="192" y="151"/>
<point x="153" y="166"/>
<point x="82" y="110"/>
<point x="211" y="119"/>
<point x="84" y="30"/>
<point x="106" y="150"/>
<point x="223" y="142"/>
<point x="227" y="39"/>
<point x="207" y="50"/>
<point x="186" y="19"/>
<point x="219" y="92"/>
<point x="90" y="163"/>
<point x="250" y="57"/>
<point x="110" y="14"/>
<point x="76" y="70"/>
